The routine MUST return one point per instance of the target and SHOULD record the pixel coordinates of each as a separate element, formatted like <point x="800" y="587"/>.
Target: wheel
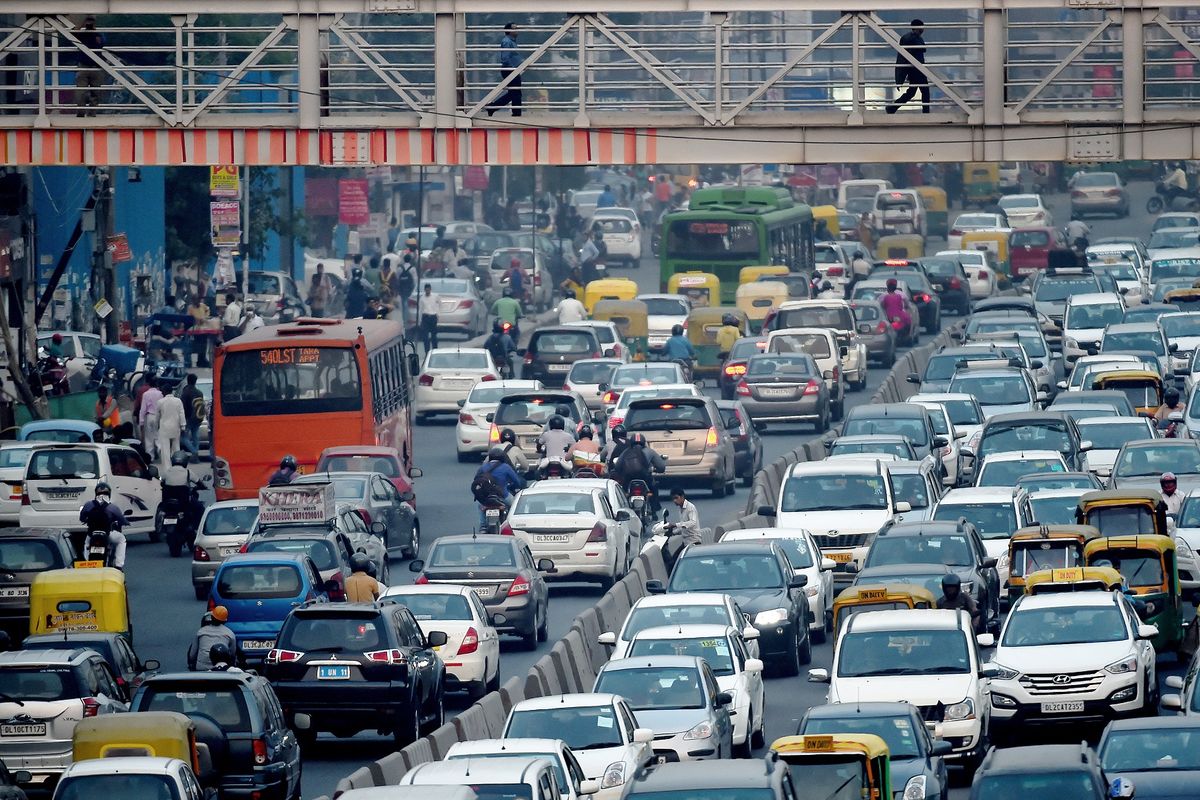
<point x="791" y="666"/>
<point x="464" y="458"/>
<point x="297" y="792"/>
<point x="493" y="684"/>
<point x="408" y="730"/>
<point x="543" y="632"/>
<point x="748" y="478"/>
<point x="818" y="636"/>
<point x="307" y="739"/>
<point x="731" y="484"/>
<point x="823" y="423"/>
<point x="758" y="738"/>
<point x="805" y="655"/>
<point x="201" y="592"/>
<point x="439" y="712"/>
<point x="743" y="750"/>
<point x="414" y="542"/>
<point x="175" y="545"/>
<point x="156" y="534"/>
<point x="839" y="410"/>
<point x="607" y="582"/>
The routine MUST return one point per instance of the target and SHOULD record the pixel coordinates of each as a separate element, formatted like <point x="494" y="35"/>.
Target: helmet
<point x="219" y="654"/>
<point x="951" y="581"/>
<point x="729" y="319"/>
<point x="1167" y="477"/>
<point x="288" y="462"/>
<point x="508" y="436"/>
<point x="1171" y="396"/>
<point x="508" y="292"/>
<point x="179" y="459"/>
<point x="497" y="327"/>
<point x="557" y="423"/>
<point x="103" y="488"/>
<point x="57" y="338"/>
<point x="618" y="432"/>
<point x="859" y="254"/>
<point x="1121" y="789"/>
<point x="570" y="293"/>
<point x="219" y="613"/>
<point x="676" y="330"/>
<point x="359" y="562"/>
<point x="585" y="431"/>
<point x="637" y="440"/>
<point x="356" y="272"/>
<point x="496" y="454"/>
<point x="514" y="262"/>
<point x="892" y="284"/>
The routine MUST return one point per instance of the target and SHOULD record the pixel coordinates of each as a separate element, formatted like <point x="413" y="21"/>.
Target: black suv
<point x="1046" y="770"/>
<point x="355" y="666"/>
<point x="551" y="352"/>
<point x="240" y="719"/>
<point x="25" y="552"/>
<point x="954" y="543"/>
<point x="761" y="580"/>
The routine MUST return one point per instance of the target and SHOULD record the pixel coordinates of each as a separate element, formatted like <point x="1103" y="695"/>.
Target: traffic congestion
<point x="981" y="589"/>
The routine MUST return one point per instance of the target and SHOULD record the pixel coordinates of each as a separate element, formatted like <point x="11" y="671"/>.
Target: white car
<point x="571" y="781"/>
<point x="663" y="312"/>
<point x="838" y="316"/>
<point x="616" y="413"/>
<point x="1183" y="333"/>
<point x="950" y="453"/>
<point x="1086" y="365"/>
<point x="1108" y="435"/>
<point x="680" y="608"/>
<point x="1084" y="320"/>
<point x="974" y="221"/>
<point x="995" y="511"/>
<point x="576" y="527"/>
<point x="472" y="432"/>
<point x="535" y="776"/>
<point x="1026" y="210"/>
<point x="611" y="343"/>
<point x="1048" y="507"/>
<point x="600" y="729"/>
<point x="1003" y="469"/>
<point x="822" y="344"/>
<point x="1130" y="279"/>
<point x="447" y="376"/>
<point x="59" y="478"/>
<point x="643" y="374"/>
<point x="586" y="377"/>
<point x="927" y="657"/>
<point x="736" y="672"/>
<point x="13" y="458"/>
<point x="471" y="653"/>
<point x="622" y="238"/>
<point x="980" y="266"/>
<point x="1072" y="656"/>
<point x="97" y="777"/>
<point x="806" y="560"/>
<point x="1187" y="544"/>
<point x="964" y="410"/>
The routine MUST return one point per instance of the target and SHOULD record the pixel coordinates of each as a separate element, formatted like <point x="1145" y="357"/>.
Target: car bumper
<point x="258" y="634"/>
<point x="442" y="401"/>
<point x="806" y="410"/>
<point x="965" y="737"/>
<point x="708" y="467"/>
<point x="464" y="670"/>
<point x="592" y="561"/>
<point x="518" y="612"/>
<point x="775" y="641"/>
<point x="203" y="572"/>
<point x="670" y="749"/>
<point x="472" y="439"/>
<point x="359" y="702"/>
<point x="1189" y="570"/>
<point x="42" y="759"/>
<point x="1106" y="206"/>
<point x="10" y="511"/>
<point x="266" y="783"/>
<point x="1116" y="697"/>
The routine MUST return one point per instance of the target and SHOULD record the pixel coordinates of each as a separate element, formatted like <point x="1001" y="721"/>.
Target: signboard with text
<point x="225" y="222"/>
<point x="354" y="207"/>
<point x="292" y="504"/>
<point x="119" y="247"/>
<point x="224" y="182"/>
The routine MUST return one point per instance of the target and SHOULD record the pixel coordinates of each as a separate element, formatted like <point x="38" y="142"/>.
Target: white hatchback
<point x="572" y="785"/>
<point x="13" y="458"/>
<point x="472" y="432"/>
<point x="447" y="376"/>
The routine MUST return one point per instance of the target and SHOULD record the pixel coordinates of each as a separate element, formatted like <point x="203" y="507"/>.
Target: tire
<point x="307" y="739"/>
<point x="719" y="487"/>
<point x="493" y="684"/>
<point x="408" y="730"/>
<point x="743" y="750"/>
<point x="464" y="458"/>
<point x="201" y="592"/>
<point x="839" y="410"/>
<point x="759" y="738"/>
<point x="748" y="478"/>
<point x="297" y="792"/>
<point x="607" y="582"/>
<point x="791" y="667"/>
<point x="731" y="485"/>
<point x="805" y="655"/>
<point x="414" y="546"/>
<point x="819" y="636"/>
<point x="439" y="712"/>
<point x="543" y="633"/>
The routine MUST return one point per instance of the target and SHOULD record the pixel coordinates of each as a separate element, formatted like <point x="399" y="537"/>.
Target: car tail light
<point x="506" y="530"/>
<point x="212" y="603"/>
<point x="743" y="389"/>
<point x="598" y="535"/>
<point x="25" y="501"/>
<point x="277" y="656"/>
<point x="260" y="751"/>
<point x="16" y="491"/>
<point x="199" y="554"/>
<point x="470" y="642"/>
<point x="924" y="298"/>
<point x="245" y="548"/>
<point x="955" y="283"/>
<point x="735" y="370"/>
<point x="609" y="397"/>
<point x="279" y="304"/>
<point x="421" y="580"/>
<point x="711" y="439"/>
<point x="519" y="586"/>
<point x="838" y="271"/>
<point x="91" y="707"/>
<point x="425" y="380"/>
<point x="897" y="323"/>
<point x="812" y="387"/>
<point x="494" y="434"/>
<point x="881" y="327"/>
<point x="366" y="515"/>
<point x="955" y="232"/>
<point x="386" y="656"/>
<point x="528" y="357"/>
<point x="1113" y="193"/>
<point x="466" y="419"/>
<point x="488" y="377"/>
<point x="466" y="303"/>
<point x="837" y="373"/>
<point x="537" y="279"/>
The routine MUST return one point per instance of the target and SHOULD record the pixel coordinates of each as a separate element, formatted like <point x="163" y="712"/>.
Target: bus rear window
<point x="712" y="239"/>
<point x="289" y="380"/>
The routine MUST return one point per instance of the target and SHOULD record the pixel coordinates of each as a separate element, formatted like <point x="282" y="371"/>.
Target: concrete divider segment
<point x="579" y="656"/>
<point x="419" y="752"/>
<point x="442" y="739"/>
<point x="394" y="766"/>
<point x="470" y="725"/>
<point x="567" y="680"/>
<point x="494" y="713"/>
<point x="549" y="677"/>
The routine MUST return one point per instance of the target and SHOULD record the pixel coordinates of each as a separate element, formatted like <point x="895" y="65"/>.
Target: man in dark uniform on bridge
<point x="908" y="73"/>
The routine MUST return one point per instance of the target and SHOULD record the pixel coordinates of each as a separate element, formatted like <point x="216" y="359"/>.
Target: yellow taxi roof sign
<point x="818" y="744"/>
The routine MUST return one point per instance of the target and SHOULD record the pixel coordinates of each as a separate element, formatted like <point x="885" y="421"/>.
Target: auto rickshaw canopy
<point x="751" y="274"/>
<point x="1074" y="579"/>
<point x="700" y="288"/>
<point x="1143" y="387"/>
<point x="608" y="289"/>
<point x="759" y="299"/>
<point x="79" y="600"/>
<point x="822" y="749"/>
<point x="880" y="597"/>
<point x="829" y="215"/>
<point x="900" y="245"/>
<point x="1120" y="512"/>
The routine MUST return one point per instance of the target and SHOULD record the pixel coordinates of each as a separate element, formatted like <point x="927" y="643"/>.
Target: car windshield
<point x="992" y="520"/>
<point x="1037" y="481"/>
<point x="836" y="317"/>
<point x="867" y="425"/>
<point x="125" y="785"/>
<point x="446" y="285"/>
<point x="1157" y="459"/>
<point x="1032" y="238"/>
<point x="565" y="503"/>
<point x="953" y="551"/>
<point x="269" y="381"/>
<point x="472" y="554"/>
<point x="37" y="683"/>
<point x="962" y="412"/>
<point x="224" y="520"/>
<point x="653" y="687"/>
<point x="502" y="791"/>
<point x="1113" y="435"/>
<point x="1064" y="625"/>
<point x="562" y="343"/>
<point x="943" y="367"/>
<point x="552" y="756"/>
<point x="1175" y="325"/>
<point x="330" y="633"/>
<point x="319" y="550"/>
<point x="1139" y="568"/>
<point x="902" y="739"/>
<point x="581" y="727"/>
<point x="728" y="572"/>
<point x="456" y="360"/>
<point x="976" y="221"/>
<point x="940" y="267"/>
<point x="1095" y="180"/>
<point x="797" y="550"/>
<point x="258" y="581"/>
<point x="1159" y="749"/>
<point x="223" y="703"/>
<point x="484" y="394"/>
<point x="666" y="416"/>
<point x="997" y="390"/>
<point x="918" y="652"/>
<point x="1005" y="473"/>
<point x="795" y="366"/>
<point x="1069" y="785"/>
<point x="1059" y="288"/>
<point x="1094" y="315"/>
<point x="1119" y="272"/>
<point x="1031" y="435"/>
<point x="29" y="555"/>
<point x="744" y="348"/>
<point x="655" y="616"/>
<point x="1053" y="509"/>
<point x="439" y="607"/>
<point x="1166" y="238"/>
<point x="1149" y="341"/>
<point x="713" y="649"/>
<point x="815" y="344"/>
<point x="714" y="239"/>
<point x="723" y="793"/>
<point x="591" y="372"/>
<point x="526" y="410"/>
<point x="344" y="488"/>
<point x="833" y="492"/>
<point x="14" y="457"/>
<point x="665" y="306"/>
<point x="1184" y="269"/>
<point x="902" y="450"/>
<point x="1189" y="515"/>
<point x="62" y="463"/>
<point x="646" y="376"/>
<point x="911" y="488"/>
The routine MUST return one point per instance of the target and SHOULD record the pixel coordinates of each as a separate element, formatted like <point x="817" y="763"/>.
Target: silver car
<point x="460" y="308"/>
<point x="588" y="375"/>
<point x="1098" y="193"/>
<point x="223" y="529"/>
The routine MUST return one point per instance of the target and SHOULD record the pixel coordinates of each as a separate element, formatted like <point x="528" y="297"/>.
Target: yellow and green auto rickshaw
<point x="631" y="318"/>
<point x="80" y="600"/>
<point x="1147" y="563"/>
<point x="838" y="766"/>
<point x="828" y="215"/>
<point x="1144" y="388"/>
<point x="1041" y="547"/>
<point x="608" y="289"/>
<point x="752" y="274"/>
<point x="981" y="183"/>
<point x="937" y="217"/>
<point x="702" y="327"/>
<point x="1074" y="579"/>
<point x="995" y="241"/>
<point x="759" y="299"/>
<point x="900" y="245"/>
<point x="700" y="288"/>
<point x="871" y="597"/>
<point x="1123" y="512"/>
<point x="1186" y="299"/>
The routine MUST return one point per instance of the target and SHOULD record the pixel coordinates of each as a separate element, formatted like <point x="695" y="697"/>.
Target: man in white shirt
<point x="683" y="515"/>
<point x="148" y="417"/>
<point x="253" y="320"/>
<point x="427" y="313"/>
<point x="1176" y="183"/>
<point x="570" y="309"/>
<point x="171" y="422"/>
<point x="231" y="320"/>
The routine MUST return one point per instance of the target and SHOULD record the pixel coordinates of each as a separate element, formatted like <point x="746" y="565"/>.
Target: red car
<point x="1029" y="249"/>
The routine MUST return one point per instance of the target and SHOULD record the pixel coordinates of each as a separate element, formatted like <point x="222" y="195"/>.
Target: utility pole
<point x="103" y="271"/>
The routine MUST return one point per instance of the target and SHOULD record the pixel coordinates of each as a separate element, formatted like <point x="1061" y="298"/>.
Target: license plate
<point x="841" y="558"/>
<point x="559" y="367"/>
<point x="61" y="494"/>
<point x="333" y="673"/>
<point x="94" y="564"/>
<point x="492" y="514"/>
<point x="776" y="392"/>
<point x="23" y="729"/>
<point x="226" y="552"/>
<point x="459" y="383"/>
<point x="482" y="591"/>
<point x="14" y="591"/>
<point x="170" y="520"/>
<point x="674" y="448"/>
<point x="258" y="644"/>
<point x="1063" y="707"/>
<point x="552" y="538"/>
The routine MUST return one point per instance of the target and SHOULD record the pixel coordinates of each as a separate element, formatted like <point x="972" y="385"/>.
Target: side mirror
<point x="1093" y="351"/>
<point x="546" y="565"/>
<point x="798" y="582"/>
<point x="643" y="735"/>
<point x="766" y="511"/>
<point x="1171" y="702"/>
<point x="941" y="748"/>
<point x="903" y="507"/>
<point x="913" y="378"/>
<point x="436" y="638"/>
<point x="414" y="364"/>
<point x="960" y="434"/>
<point x="1147" y="632"/>
<point x="589" y="786"/>
<point x="828" y="444"/>
<point x="723" y="699"/>
<point x="1036" y="364"/>
<point x="827" y="374"/>
<point x="987" y="640"/>
<point x="608" y="639"/>
<point x="415" y="472"/>
<point x="623" y="515"/>
<point x="754" y="665"/>
<point x="850" y="568"/>
<point x="461" y="403"/>
<point x="655" y="586"/>
<point x="750" y="633"/>
<point x="1061" y="385"/>
<point x="1174" y="416"/>
<point x="609" y="352"/>
<point x="603" y="387"/>
<point x="1174" y="681"/>
<point x="828" y="565"/>
<point x="1043" y="397"/>
<point x="989" y="563"/>
<point x="941" y="441"/>
<point x="1173" y="347"/>
<point x="150" y="664"/>
<point x="818" y="676"/>
<point x="379" y="529"/>
<point x="416" y="565"/>
<point x="22" y="776"/>
<point x="843" y="351"/>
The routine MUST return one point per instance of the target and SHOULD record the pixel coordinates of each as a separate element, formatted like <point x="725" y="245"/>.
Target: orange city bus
<point x="303" y="386"/>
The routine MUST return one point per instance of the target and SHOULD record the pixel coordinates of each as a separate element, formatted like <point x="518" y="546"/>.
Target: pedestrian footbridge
<point x="407" y="82"/>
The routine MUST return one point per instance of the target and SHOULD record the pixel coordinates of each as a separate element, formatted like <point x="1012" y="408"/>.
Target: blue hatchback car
<point x="259" y="590"/>
<point x="63" y="431"/>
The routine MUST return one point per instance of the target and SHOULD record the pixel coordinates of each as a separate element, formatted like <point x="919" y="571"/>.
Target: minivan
<point x="689" y="432"/>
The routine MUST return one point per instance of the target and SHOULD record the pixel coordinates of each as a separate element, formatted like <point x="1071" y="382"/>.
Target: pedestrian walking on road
<point x="907" y="73"/>
<point x="427" y="309"/>
<point x="510" y="60"/>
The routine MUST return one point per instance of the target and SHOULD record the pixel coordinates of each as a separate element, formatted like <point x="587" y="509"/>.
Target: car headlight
<point x="915" y="788"/>
<point x="1004" y="673"/>
<point x="614" y="775"/>
<point x="1182" y="549"/>
<point x="1124" y="666"/>
<point x="813" y="591"/>
<point x="774" y="616"/>
<point x="702" y="731"/>
<point x="960" y="711"/>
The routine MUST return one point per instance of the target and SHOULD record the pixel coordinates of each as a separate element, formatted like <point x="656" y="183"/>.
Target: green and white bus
<point x="729" y="227"/>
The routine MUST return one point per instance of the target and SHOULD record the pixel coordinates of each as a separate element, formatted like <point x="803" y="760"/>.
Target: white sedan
<point x="472" y="431"/>
<point x="975" y="221"/>
<point x="980" y="268"/>
<point x="472" y="649"/>
<point x="447" y="376"/>
<point x="738" y="674"/>
<point x="1026" y="210"/>
<point x="683" y="608"/>
<point x="572" y="784"/>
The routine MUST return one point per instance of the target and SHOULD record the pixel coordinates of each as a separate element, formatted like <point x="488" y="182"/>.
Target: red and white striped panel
<point x="284" y="147"/>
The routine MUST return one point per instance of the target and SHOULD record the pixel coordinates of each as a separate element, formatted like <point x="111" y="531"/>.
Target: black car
<point x="747" y="444"/>
<point x="114" y="648"/>
<point x="358" y="666"/>
<point x="920" y="289"/>
<point x="950" y="281"/>
<point x="1032" y="430"/>
<point x="904" y="419"/>
<point x="25" y="552"/>
<point x="552" y="350"/>
<point x="10" y="788"/>
<point x="954" y="543"/>
<point x="734" y="367"/>
<point x="1155" y="753"/>
<point x="1045" y="770"/>
<point x="761" y="580"/>
<point x="240" y="719"/>
<point x="917" y="759"/>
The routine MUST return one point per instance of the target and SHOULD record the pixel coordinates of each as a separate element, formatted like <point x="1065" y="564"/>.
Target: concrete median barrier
<point x="494" y="713"/>
<point x="568" y="681"/>
<point x="442" y="739"/>
<point x="512" y="692"/>
<point x="580" y="658"/>
<point x="549" y="677"/>
<point x="471" y="725"/>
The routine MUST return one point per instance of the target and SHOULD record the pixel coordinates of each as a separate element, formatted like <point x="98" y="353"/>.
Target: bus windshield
<point x="712" y="239"/>
<point x="290" y="380"/>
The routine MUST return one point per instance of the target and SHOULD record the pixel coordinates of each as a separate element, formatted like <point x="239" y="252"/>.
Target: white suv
<point x="1085" y="319"/>
<point x="929" y="658"/>
<point x="1067" y="657"/>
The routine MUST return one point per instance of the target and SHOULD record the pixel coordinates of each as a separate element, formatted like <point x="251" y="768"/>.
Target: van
<point x="690" y="433"/>
<point x="853" y="194"/>
<point x="60" y="478"/>
<point x="899" y="211"/>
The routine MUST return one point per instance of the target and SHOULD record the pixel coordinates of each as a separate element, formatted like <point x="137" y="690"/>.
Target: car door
<point x="640" y="753"/>
<point x="126" y="663"/>
<point x="400" y="520"/>
<point x="540" y="591"/>
<point x="720" y="713"/>
<point x="753" y="680"/>
<point x="140" y="493"/>
<point x="113" y="698"/>
<point x="620" y="502"/>
<point x="990" y="575"/>
<point x="421" y="655"/>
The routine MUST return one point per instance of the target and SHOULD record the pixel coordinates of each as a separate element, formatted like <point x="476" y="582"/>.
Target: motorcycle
<point x="639" y="501"/>
<point x="1164" y="199"/>
<point x="493" y="514"/>
<point x="669" y="540"/>
<point x="178" y="525"/>
<point x="52" y="375"/>
<point x="554" y="467"/>
<point x="96" y="548"/>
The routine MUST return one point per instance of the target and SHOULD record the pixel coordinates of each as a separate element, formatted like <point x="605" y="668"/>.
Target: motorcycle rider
<point x="501" y="347"/>
<point x="177" y="492"/>
<point x="1077" y="234"/>
<point x="679" y="348"/>
<point x="893" y="304"/>
<point x="513" y="454"/>
<point x="556" y="440"/>
<point x="953" y="598"/>
<point x="213" y="631"/>
<point x="495" y="478"/>
<point x="360" y="586"/>
<point x="1175" y="184"/>
<point x="860" y="270"/>
<point x="1172" y="498"/>
<point x="637" y="461"/>
<point x="682" y="517"/>
<point x="221" y="658"/>
<point x="618" y="440"/>
<point x="507" y="308"/>
<point x="1170" y="405"/>
<point x="585" y="453"/>
<point x="99" y="514"/>
<point x="570" y="309"/>
<point x="286" y="472"/>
